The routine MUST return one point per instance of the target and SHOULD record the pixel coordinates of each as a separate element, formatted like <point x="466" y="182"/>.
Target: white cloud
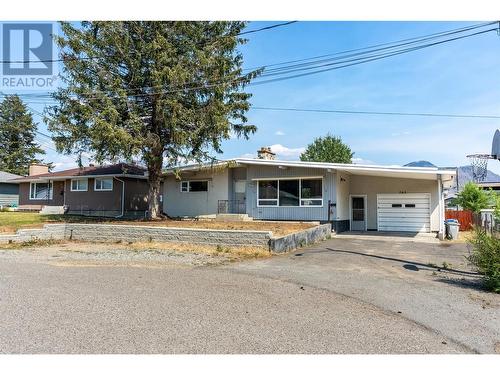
<point x="362" y="161"/>
<point x="279" y="132"/>
<point x="248" y="155"/>
<point x="283" y="152"/>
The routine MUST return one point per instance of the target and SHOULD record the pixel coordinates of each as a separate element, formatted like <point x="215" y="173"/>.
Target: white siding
<point x="177" y="203"/>
<point x="371" y="186"/>
<point x="343" y="182"/>
<point x="9" y="199"/>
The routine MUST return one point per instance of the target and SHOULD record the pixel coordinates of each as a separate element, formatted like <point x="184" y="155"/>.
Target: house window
<point x="194" y="186"/>
<point x="268" y="193"/>
<point x="103" y="184"/>
<point x="290" y="192"/>
<point x="311" y="192"/>
<point x="396" y="205"/>
<point x="410" y="205"/>
<point x="79" y="185"/>
<point x="41" y="190"/>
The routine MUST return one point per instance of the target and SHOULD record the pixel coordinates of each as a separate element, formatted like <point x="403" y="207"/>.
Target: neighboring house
<point x="9" y="190"/>
<point x="490" y="185"/>
<point x="111" y="190"/>
<point x="351" y="196"/>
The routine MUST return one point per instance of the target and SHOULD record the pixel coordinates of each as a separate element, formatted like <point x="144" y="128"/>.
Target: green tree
<point x="473" y="198"/>
<point x="328" y="149"/>
<point x="18" y="148"/>
<point x="155" y="91"/>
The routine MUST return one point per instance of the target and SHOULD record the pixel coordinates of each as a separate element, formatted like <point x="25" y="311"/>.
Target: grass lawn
<point x="12" y="221"/>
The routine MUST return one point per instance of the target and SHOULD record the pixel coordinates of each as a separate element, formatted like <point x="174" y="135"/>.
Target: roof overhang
<point x="62" y="178"/>
<point x="421" y="173"/>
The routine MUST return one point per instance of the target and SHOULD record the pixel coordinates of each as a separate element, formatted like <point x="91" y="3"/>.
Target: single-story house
<point x="9" y="190"/>
<point x="350" y="196"/>
<point x="118" y="190"/>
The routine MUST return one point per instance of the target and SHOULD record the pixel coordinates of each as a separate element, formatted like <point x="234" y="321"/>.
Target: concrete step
<point x="233" y="217"/>
<point x="52" y="210"/>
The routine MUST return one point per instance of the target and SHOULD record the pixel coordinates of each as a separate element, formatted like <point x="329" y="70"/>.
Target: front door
<point x="358" y="213"/>
<point x="239" y="193"/>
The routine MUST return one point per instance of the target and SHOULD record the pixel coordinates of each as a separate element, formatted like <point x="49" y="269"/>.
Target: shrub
<point x="473" y="198"/>
<point x="486" y="257"/>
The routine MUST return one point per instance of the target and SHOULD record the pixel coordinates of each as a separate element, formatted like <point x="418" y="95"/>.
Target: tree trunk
<point x="154" y="191"/>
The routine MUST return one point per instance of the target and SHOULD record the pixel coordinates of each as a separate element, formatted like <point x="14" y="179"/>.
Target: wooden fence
<point x="465" y="218"/>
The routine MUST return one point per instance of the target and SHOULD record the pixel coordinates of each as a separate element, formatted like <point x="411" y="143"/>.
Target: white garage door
<point x="404" y="212"/>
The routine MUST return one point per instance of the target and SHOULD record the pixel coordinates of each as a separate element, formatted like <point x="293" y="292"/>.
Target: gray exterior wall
<point x="371" y="186"/>
<point x="288" y="213"/>
<point x="177" y="203"/>
<point x="9" y="194"/>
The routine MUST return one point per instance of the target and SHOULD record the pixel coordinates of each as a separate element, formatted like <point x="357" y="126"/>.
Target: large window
<point x="41" y="190"/>
<point x="194" y="186"/>
<point x="103" y="184"/>
<point x="79" y="185"/>
<point x="311" y="192"/>
<point x="290" y="192"/>
<point x="268" y="193"/>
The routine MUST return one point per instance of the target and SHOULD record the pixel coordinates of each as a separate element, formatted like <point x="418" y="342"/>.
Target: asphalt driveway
<point x="427" y="283"/>
<point x="98" y="298"/>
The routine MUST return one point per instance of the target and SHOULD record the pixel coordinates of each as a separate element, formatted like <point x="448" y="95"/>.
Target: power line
<point x="338" y="63"/>
<point x="341" y="111"/>
<point x="100" y="57"/>
<point x="267" y="28"/>
<point x="438" y="34"/>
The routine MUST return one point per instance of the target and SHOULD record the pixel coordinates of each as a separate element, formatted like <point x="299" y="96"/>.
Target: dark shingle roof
<point x="104" y="170"/>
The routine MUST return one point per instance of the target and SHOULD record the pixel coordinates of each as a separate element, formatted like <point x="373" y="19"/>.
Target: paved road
<point x="49" y="305"/>
<point x="396" y="276"/>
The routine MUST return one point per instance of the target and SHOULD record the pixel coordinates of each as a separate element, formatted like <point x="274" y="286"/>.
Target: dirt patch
<point x="152" y="255"/>
<point x="12" y="221"/>
<point x="278" y="229"/>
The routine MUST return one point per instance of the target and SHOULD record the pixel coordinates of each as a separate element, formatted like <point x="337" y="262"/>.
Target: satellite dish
<point x="495" y="146"/>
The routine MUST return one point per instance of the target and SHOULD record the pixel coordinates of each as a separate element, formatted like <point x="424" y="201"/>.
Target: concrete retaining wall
<point x="48" y="232"/>
<point x="135" y="233"/>
<point x="296" y="240"/>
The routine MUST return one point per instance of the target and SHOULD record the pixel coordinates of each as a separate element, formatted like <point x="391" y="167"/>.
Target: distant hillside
<point x="420" y="163"/>
<point x="464" y="174"/>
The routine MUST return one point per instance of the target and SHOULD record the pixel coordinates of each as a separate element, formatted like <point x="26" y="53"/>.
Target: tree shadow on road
<point x="405" y="261"/>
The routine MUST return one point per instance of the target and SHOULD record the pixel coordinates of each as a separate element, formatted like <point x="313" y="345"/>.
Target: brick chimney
<point x="265" y="153"/>
<point x="36" y="168"/>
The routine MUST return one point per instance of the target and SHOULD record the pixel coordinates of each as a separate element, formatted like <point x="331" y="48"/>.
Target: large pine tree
<point x="158" y="91"/>
<point x="18" y="148"/>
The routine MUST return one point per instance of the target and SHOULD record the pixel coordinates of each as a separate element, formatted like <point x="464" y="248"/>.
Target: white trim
<point x="51" y="191"/>
<point x="78" y="179"/>
<point x="365" y="209"/>
<point x="189" y="186"/>
<point x="277" y="200"/>
<point x="103" y="178"/>
<point x="287" y="178"/>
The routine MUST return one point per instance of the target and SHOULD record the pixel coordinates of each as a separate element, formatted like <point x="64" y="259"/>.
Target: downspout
<point x="441" y="208"/>
<point x="123" y="198"/>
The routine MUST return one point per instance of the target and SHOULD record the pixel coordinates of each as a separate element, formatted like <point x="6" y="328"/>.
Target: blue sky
<point x="460" y="77"/>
